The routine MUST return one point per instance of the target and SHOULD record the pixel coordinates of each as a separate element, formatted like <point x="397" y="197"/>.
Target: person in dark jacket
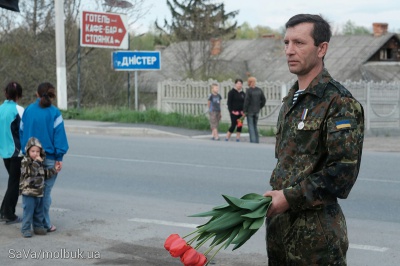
<point x="253" y="102"/>
<point x="235" y="106"/>
<point x="319" y="139"/>
<point x="10" y="149"/>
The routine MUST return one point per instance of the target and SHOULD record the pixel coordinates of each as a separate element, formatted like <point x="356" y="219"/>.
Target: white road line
<point x="266" y="171"/>
<point x="161" y="222"/>
<point x="187" y="225"/>
<point x="169" y="163"/>
<point x="369" y="248"/>
<point x="380" y="180"/>
<point x="59" y="209"/>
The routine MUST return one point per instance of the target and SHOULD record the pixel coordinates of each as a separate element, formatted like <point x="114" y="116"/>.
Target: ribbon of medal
<point x="303" y="117"/>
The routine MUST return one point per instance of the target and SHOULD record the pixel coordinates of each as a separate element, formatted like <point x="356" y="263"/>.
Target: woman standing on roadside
<point x="235" y="106"/>
<point x="44" y="121"/>
<point x="214" y="109"/>
<point x="10" y="149"/>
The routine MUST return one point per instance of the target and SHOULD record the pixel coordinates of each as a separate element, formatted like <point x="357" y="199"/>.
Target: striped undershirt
<point x="296" y="95"/>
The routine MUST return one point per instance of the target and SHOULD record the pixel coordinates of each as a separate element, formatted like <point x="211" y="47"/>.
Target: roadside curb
<point x="121" y="131"/>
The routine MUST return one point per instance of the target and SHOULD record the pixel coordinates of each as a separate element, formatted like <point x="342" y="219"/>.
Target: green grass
<point x="152" y="116"/>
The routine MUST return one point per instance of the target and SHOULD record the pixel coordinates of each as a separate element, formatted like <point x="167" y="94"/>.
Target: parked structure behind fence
<point x="381" y="101"/>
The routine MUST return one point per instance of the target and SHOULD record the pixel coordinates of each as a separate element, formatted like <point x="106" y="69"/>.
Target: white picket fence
<point x="381" y="101"/>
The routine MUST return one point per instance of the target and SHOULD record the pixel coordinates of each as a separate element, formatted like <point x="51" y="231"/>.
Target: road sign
<point x="136" y="60"/>
<point x="104" y="30"/>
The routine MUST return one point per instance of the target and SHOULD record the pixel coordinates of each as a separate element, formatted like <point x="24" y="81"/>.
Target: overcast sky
<point x="275" y="13"/>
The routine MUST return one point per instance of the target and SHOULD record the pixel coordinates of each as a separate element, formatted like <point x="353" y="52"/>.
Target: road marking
<point x="170" y="163"/>
<point x="187" y="225"/>
<point x="59" y="209"/>
<point x="380" y="180"/>
<point x="369" y="248"/>
<point x="161" y="222"/>
<point x="266" y="171"/>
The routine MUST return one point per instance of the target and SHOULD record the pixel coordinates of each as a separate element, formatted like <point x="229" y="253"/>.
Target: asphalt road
<point x="118" y="198"/>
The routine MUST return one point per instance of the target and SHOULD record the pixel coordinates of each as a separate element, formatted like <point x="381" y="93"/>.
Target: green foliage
<point x="144" y="41"/>
<point x="246" y="32"/>
<point x="198" y="20"/>
<point x="152" y="116"/>
<point x="350" y="28"/>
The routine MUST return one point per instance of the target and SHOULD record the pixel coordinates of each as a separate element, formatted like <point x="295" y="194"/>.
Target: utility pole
<point x="60" y="55"/>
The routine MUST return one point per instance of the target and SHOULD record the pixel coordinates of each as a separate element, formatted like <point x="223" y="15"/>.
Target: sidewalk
<point x="373" y="143"/>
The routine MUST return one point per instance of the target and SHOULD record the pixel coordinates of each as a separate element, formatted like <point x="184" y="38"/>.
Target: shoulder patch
<point x="342" y="123"/>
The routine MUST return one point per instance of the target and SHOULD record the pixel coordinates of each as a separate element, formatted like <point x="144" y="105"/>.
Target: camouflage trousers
<point x="310" y="237"/>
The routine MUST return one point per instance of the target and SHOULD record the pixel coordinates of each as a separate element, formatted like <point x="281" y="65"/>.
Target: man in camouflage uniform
<point x="320" y="133"/>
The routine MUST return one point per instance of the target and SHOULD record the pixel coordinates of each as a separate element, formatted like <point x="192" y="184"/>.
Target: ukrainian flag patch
<point x="343" y="124"/>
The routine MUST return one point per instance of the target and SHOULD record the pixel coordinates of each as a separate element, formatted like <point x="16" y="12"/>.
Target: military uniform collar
<point x="318" y="84"/>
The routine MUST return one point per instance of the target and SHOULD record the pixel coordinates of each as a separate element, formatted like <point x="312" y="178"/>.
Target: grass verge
<point x="152" y="116"/>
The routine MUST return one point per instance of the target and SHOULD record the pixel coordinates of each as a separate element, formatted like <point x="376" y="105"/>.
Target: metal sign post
<point x="134" y="61"/>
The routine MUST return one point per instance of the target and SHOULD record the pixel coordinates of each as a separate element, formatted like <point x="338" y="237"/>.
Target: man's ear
<point x="322" y="49"/>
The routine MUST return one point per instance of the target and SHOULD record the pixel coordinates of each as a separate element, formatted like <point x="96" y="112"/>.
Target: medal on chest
<point x="303" y="117"/>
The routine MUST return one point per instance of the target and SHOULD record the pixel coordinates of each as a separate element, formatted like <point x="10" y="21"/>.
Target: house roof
<point x="347" y="54"/>
<point x="346" y="59"/>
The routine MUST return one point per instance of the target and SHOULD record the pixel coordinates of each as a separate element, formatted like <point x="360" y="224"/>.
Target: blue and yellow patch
<point x="343" y="124"/>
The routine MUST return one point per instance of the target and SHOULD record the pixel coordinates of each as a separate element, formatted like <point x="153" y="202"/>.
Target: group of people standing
<point x="240" y="105"/>
<point x="32" y="144"/>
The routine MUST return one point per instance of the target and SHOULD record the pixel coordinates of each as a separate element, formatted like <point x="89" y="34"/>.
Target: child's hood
<point x="35" y="142"/>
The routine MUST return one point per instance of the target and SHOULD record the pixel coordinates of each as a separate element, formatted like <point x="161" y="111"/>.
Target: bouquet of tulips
<point x="239" y="122"/>
<point x="233" y="223"/>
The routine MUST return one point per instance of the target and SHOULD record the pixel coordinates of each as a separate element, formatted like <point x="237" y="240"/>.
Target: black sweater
<point x="235" y="100"/>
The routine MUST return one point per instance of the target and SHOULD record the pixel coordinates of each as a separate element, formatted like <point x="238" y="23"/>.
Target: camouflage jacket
<point x="318" y="155"/>
<point x="33" y="172"/>
<point x="32" y="178"/>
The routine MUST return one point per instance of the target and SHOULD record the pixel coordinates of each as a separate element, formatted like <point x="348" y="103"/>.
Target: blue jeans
<point x="33" y="213"/>
<point x="48" y="186"/>
<point x="252" y="120"/>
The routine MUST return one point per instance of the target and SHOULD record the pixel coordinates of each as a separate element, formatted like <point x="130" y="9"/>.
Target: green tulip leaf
<point x="257" y="223"/>
<point x="244" y="238"/>
<point x="234" y="233"/>
<point x="247" y="223"/>
<point x="244" y="203"/>
<point x="252" y="196"/>
<point x="258" y="213"/>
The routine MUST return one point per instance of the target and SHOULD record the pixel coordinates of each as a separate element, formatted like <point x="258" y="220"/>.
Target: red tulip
<point x="170" y="240"/>
<point x="193" y="258"/>
<point x="202" y="260"/>
<point x="190" y="257"/>
<point x="239" y="123"/>
<point x="178" y="247"/>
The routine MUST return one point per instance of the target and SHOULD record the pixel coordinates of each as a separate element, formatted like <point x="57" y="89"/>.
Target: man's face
<point x="251" y="83"/>
<point x="301" y="53"/>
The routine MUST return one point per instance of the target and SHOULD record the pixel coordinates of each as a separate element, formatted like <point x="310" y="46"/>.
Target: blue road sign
<point x="136" y="60"/>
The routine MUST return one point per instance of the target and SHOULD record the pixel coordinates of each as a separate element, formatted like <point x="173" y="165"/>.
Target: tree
<point x="198" y="20"/>
<point x="27" y="52"/>
<point x="350" y="28"/>
<point x="245" y="31"/>
<point x="196" y="23"/>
